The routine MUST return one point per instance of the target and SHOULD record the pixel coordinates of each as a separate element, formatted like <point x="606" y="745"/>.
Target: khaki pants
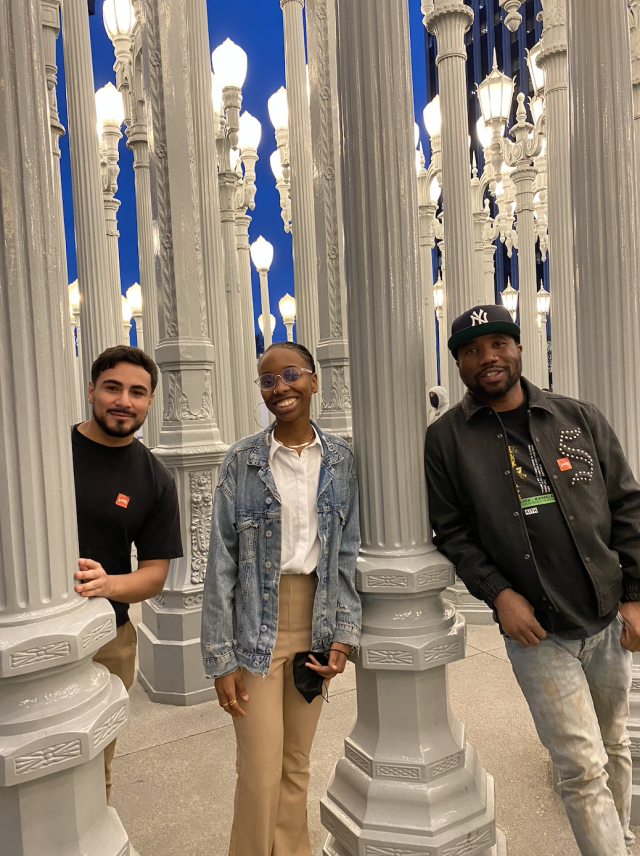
<point x="119" y="656"/>
<point x="274" y="740"/>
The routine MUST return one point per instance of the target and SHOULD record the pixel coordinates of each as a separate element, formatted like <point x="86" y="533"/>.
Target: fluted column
<point x="58" y="709"/>
<point x="243" y="221"/>
<point x="111" y="136"/>
<point x="190" y="444"/>
<point x="426" y="211"/>
<point x="212" y="252"/>
<point x="302" y="205"/>
<point x="50" y="17"/>
<point x="634" y="38"/>
<point x="553" y="59"/>
<point x="333" y="346"/>
<point x="607" y="268"/>
<point x="408" y="783"/>
<point x="523" y="177"/>
<point x="449" y="20"/>
<point x="100" y="309"/>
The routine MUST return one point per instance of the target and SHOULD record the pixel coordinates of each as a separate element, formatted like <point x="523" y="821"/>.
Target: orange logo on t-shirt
<point x="122" y="500"/>
<point x="564" y="464"/>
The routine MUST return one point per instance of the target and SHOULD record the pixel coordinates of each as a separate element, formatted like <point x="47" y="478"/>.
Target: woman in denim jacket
<point x="280" y="580"/>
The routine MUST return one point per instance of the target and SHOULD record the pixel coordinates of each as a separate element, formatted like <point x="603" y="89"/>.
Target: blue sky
<point x="255" y="25"/>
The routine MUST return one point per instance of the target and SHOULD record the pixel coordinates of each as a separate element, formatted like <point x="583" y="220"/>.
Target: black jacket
<point x="474" y="506"/>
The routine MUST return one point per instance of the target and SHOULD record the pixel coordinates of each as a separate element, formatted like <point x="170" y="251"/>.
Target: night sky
<point x="255" y="25"/>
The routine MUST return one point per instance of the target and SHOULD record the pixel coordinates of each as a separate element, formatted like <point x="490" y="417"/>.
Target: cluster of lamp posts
<point x="229" y="62"/>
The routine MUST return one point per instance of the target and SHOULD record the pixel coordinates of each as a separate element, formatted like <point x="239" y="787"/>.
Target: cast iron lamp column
<point x="333" y="347"/>
<point x="58" y="709"/>
<point x="305" y="273"/>
<point x="408" y="783"/>
<point x="100" y="304"/>
<point x="449" y="20"/>
<point x="552" y="59"/>
<point x="170" y="663"/>
<point x="634" y="38"/>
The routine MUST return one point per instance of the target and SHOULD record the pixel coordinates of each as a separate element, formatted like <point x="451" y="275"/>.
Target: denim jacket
<point x="240" y="600"/>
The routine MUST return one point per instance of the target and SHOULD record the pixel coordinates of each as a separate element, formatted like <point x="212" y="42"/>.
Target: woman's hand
<point x="338" y="654"/>
<point x="229" y="688"/>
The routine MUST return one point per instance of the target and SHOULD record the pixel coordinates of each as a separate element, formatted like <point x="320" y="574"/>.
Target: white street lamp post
<point x="449" y="20"/>
<point x="551" y="58"/>
<point x="230" y="68"/>
<point x="543" y="304"/>
<point x="426" y="211"/>
<point x="76" y="349"/>
<point x="443" y="351"/>
<point x="634" y="39"/>
<point x="305" y="273"/>
<point x="100" y="304"/>
<point x="58" y="708"/>
<point x="134" y="296"/>
<point x="287" y="306"/>
<point x="510" y="298"/>
<point x="283" y="189"/>
<point x="127" y="315"/>
<point x="262" y="256"/>
<point x="110" y="115"/>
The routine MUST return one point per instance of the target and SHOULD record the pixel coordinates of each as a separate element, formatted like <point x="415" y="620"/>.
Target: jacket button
<point x="267" y="564"/>
<point x="265" y="597"/>
<point x="268" y="533"/>
<point x="499" y="436"/>
<point x="268" y="500"/>
<point x="263" y="628"/>
<point x="506" y="472"/>
<point x="527" y="556"/>
<point x="587" y="559"/>
<point x="571" y="517"/>
<point x="516" y="514"/>
<point x="555" y="476"/>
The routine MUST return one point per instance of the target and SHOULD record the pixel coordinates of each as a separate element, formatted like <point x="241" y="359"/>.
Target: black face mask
<point x="309" y="683"/>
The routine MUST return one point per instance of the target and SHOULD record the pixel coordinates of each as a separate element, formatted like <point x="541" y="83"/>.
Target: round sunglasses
<point x="289" y="376"/>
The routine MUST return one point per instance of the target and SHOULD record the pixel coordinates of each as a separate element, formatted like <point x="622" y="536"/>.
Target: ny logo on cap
<point x="479" y="317"/>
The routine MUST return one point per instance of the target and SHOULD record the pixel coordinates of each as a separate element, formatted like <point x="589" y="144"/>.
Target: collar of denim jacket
<point x="259" y="455"/>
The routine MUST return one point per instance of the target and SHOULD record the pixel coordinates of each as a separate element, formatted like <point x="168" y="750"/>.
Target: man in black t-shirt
<point x="531" y="497"/>
<point x="124" y="496"/>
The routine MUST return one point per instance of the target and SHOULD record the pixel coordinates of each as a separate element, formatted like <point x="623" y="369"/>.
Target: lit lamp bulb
<point x="134" y="296"/>
<point x="438" y="293"/>
<point x="118" y="17"/>
<point x="272" y="323"/>
<point x="536" y="73"/>
<point x="543" y="301"/>
<point x="276" y="166"/>
<point x="109" y="107"/>
<point x="229" y="64"/>
<point x="510" y="300"/>
<point x="279" y="109"/>
<point x="416" y="135"/>
<point x="74" y="298"/>
<point x="250" y="131"/>
<point x="495" y="94"/>
<point x="432" y="117"/>
<point x="287" y="306"/>
<point x="435" y="190"/>
<point x="261" y="253"/>
<point x="126" y="310"/>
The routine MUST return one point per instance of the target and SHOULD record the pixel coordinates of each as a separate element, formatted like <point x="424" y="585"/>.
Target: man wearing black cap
<point x="532" y="499"/>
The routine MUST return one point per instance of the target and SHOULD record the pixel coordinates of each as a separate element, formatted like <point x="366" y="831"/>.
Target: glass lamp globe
<point x="276" y="166"/>
<point x="250" y="131"/>
<point x="536" y="73"/>
<point x="496" y="94"/>
<point x="134" y="296"/>
<point x="74" y="297"/>
<point x="510" y="299"/>
<point x="126" y="310"/>
<point x="416" y="135"/>
<point x="434" y="189"/>
<point x="543" y="301"/>
<point x="119" y="17"/>
<point x="272" y="324"/>
<point x="438" y="293"/>
<point x="419" y="161"/>
<point x="261" y="253"/>
<point x="216" y="94"/>
<point x="109" y="106"/>
<point x="287" y="306"/>
<point x="485" y="134"/>
<point x="537" y="108"/>
<point x="432" y="117"/>
<point x="279" y="109"/>
<point x="229" y="64"/>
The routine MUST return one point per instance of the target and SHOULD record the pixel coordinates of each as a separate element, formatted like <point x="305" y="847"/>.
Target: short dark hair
<point x="124" y="354"/>
<point x="294" y="346"/>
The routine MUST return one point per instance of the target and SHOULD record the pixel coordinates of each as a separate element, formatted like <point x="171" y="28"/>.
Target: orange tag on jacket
<point x="564" y="464"/>
<point x="122" y="500"/>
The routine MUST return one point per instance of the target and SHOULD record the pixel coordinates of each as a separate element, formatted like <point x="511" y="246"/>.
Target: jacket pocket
<point x="247" y="540"/>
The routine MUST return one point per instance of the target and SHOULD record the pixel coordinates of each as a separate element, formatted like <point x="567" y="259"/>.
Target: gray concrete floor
<point x="174" y="766"/>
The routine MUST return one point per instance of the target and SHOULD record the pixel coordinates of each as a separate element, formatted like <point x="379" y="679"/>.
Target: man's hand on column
<point x="517" y="618"/>
<point x="630" y="638"/>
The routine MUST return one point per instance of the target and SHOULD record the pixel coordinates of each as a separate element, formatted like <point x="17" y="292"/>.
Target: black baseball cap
<point x="481" y="321"/>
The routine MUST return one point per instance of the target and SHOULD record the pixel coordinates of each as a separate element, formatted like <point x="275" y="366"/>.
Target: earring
<point x="259" y="424"/>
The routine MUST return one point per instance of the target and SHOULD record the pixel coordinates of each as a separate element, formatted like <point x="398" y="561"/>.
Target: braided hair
<point x="294" y="346"/>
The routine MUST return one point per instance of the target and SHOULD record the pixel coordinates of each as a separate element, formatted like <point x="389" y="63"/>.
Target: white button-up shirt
<point x="296" y="477"/>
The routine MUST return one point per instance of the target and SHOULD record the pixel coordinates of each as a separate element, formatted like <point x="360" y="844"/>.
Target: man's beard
<point x="513" y="374"/>
<point x="119" y="430"/>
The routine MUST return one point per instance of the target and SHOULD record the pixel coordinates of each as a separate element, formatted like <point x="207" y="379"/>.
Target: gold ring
<point x="233" y="701"/>
<point x="225" y="703"/>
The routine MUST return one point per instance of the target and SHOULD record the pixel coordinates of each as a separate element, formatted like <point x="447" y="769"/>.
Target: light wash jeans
<point x="578" y="694"/>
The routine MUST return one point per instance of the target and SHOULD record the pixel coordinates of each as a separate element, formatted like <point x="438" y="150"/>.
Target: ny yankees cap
<point x="480" y="321"/>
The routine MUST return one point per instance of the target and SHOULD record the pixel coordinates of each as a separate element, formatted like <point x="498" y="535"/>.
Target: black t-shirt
<point x="563" y="579"/>
<point x="123" y="495"/>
